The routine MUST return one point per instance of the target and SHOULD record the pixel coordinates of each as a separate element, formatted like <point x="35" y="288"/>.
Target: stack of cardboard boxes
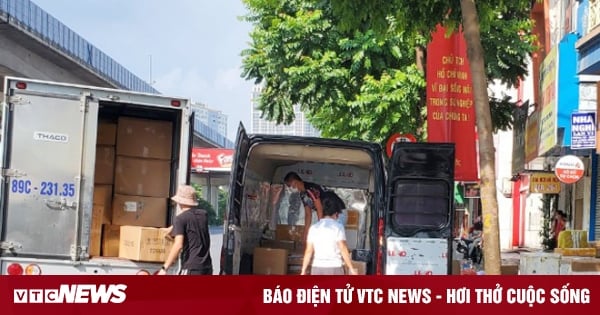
<point x="280" y="256"/>
<point x="103" y="183"/>
<point x="285" y="254"/>
<point x="137" y="179"/>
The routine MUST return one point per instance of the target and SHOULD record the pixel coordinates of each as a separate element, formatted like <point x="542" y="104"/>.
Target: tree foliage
<point x="353" y="84"/>
<point x="506" y="26"/>
<point x="354" y="71"/>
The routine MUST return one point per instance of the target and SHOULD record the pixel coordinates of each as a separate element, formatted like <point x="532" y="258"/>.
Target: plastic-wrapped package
<point x="290" y="210"/>
<point x="263" y="198"/>
<point x="251" y="205"/>
<point x="284" y="205"/>
<point x="295" y="215"/>
<point x="274" y="201"/>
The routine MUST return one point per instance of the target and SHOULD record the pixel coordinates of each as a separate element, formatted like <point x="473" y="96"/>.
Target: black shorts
<point x="196" y="272"/>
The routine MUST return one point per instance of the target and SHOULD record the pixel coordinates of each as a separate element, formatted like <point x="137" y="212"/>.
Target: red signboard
<point x="206" y="159"/>
<point x="569" y="169"/>
<point x="450" y="105"/>
<point x="397" y="137"/>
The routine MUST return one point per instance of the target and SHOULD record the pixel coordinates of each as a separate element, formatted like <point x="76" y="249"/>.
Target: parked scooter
<point x="472" y="247"/>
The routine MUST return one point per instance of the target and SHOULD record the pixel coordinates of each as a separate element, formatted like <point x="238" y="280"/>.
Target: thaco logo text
<point x="73" y="294"/>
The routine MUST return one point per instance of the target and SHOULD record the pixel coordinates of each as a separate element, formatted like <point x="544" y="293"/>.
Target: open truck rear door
<point x="420" y="209"/>
<point x="45" y="163"/>
<point x="231" y="255"/>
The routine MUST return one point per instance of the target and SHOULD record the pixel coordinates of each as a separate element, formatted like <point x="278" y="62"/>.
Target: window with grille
<point x="420" y="205"/>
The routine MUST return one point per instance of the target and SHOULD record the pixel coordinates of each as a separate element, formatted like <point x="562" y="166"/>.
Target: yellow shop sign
<point x="544" y="183"/>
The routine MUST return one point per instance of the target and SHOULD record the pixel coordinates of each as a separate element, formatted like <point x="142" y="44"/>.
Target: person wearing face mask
<point x="191" y="235"/>
<point x="310" y="194"/>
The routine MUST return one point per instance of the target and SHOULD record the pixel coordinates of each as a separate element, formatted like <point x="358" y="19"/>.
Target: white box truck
<point x="48" y="156"/>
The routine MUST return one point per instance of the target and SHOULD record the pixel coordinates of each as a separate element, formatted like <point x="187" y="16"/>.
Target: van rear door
<point x="230" y="255"/>
<point x="420" y="209"/>
<point x="49" y="136"/>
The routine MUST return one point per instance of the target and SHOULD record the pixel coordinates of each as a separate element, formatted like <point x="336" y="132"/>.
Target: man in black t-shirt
<point x="191" y="234"/>
<point x="310" y="194"/>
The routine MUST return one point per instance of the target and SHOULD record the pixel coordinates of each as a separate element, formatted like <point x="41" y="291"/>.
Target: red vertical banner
<point x="450" y="105"/>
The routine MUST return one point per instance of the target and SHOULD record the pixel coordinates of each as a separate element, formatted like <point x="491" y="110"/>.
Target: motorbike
<point x="471" y="248"/>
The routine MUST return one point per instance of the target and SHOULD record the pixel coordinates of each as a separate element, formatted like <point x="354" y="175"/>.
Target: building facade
<point x="563" y="87"/>
<point x="214" y="119"/>
<point x="299" y="127"/>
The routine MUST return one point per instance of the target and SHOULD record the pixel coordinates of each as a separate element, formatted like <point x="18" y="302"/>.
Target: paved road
<point x="216" y="241"/>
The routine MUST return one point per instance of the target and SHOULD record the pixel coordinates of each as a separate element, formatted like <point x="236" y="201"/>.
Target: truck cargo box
<point x="62" y="143"/>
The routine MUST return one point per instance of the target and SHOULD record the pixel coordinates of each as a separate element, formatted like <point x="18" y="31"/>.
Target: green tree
<point x="506" y="22"/>
<point x="213" y="219"/>
<point x="352" y="84"/>
<point x="357" y="82"/>
<point x="223" y="198"/>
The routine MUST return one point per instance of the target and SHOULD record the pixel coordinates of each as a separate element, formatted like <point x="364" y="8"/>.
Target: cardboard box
<point x="105" y="165"/>
<point x="110" y="240"/>
<point x="289" y="245"/>
<point x="143" y="244"/>
<point x="102" y="194"/>
<point x="293" y="233"/>
<point x="144" y="138"/>
<point x="96" y="230"/>
<point x="270" y="261"/>
<point x="353" y="219"/>
<point x="586" y="265"/>
<point x="360" y="266"/>
<point x="107" y="133"/>
<point x="456" y="267"/>
<point x="584" y="252"/>
<point x="139" y="211"/>
<point x="103" y="198"/>
<point x="142" y="177"/>
<point x="509" y="270"/>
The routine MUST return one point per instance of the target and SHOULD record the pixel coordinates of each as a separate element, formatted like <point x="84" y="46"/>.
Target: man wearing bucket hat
<point x="191" y="234"/>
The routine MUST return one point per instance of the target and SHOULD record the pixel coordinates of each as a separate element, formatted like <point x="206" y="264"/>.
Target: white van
<point x="398" y="218"/>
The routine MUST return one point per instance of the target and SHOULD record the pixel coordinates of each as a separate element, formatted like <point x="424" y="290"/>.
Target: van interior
<point x="271" y="218"/>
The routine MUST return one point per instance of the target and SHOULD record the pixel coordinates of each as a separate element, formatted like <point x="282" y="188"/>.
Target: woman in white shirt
<point x="326" y="243"/>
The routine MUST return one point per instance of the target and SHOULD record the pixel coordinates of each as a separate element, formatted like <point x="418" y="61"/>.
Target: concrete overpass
<point x="34" y="44"/>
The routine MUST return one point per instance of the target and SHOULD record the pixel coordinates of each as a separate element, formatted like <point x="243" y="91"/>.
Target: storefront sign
<point x="548" y="79"/>
<point x="472" y="190"/>
<point x="205" y="159"/>
<point x="583" y="130"/>
<point x="569" y="169"/>
<point x="559" y="69"/>
<point x="544" y="183"/>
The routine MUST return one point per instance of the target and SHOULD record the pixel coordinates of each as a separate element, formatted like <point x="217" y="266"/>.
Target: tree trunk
<point x="489" y="202"/>
<point x="421" y="111"/>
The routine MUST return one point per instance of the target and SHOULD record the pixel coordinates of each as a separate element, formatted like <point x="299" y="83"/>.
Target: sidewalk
<point x="510" y="260"/>
<point x="513" y="256"/>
